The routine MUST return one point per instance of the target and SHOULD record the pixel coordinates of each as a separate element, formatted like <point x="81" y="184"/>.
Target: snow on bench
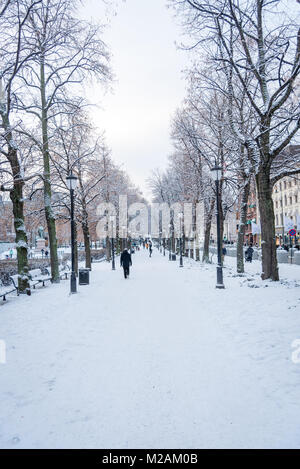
<point x="35" y="277"/>
<point x="6" y="289"/>
<point x="64" y="271"/>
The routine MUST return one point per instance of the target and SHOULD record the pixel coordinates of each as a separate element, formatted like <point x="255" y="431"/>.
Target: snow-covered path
<point x="162" y="360"/>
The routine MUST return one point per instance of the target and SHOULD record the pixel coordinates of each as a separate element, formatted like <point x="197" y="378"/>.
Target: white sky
<point x="149" y="84"/>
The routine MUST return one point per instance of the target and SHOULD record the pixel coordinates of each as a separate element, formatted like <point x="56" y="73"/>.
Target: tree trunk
<point x="205" y="256"/>
<point x="242" y="225"/>
<point x="87" y="247"/>
<point x="47" y="183"/>
<point x="16" y="196"/>
<point x="266" y="209"/>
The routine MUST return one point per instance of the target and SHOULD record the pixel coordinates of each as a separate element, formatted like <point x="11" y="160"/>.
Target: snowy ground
<point x="162" y="360"/>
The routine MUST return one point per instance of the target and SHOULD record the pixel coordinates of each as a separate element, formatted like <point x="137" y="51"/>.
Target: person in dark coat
<point x="150" y="249"/>
<point x="249" y="253"/>
<point x="126" y="262"/>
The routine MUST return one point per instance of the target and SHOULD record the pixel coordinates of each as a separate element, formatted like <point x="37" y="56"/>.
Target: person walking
<point x="249" y="253"/>
<point x="125" y="262"/>
<point x="150" y="249"/>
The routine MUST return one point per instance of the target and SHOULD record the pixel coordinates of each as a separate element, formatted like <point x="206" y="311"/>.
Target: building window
<point x="280" y="202"/>
<point x="281" y="219"/>
<point x="280" y="186"/>
<point x="284" y="184"/>
<point x="296" y="199"/>
<point x="291" y="200"/>
<point x="276" y="220"/>
<point x="276" y="204"/>
<point x="290" y="183"/>
<point x="285" y="200"/>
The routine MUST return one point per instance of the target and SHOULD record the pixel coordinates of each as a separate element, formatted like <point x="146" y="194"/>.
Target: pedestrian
<point x="46" y="253"/>
<point x="249" y="253"/>
<point x="42" y="251"/>
<point x="150" y="249"/>
<point x="125" y="262"/>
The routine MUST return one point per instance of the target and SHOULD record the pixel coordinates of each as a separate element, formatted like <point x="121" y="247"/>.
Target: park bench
<point x="64" y="271"/>
<point x="10" y="288"/>
<point x="35" y="278"/>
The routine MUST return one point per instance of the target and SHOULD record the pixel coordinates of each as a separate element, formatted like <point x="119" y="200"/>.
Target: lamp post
<point x="180" y="216"/>
<point x="71" y="184"/>
<point x="113" y="266"/>
<point x="216" y="172"/>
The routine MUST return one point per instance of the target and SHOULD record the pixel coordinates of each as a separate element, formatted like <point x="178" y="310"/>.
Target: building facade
<point x="286" y="198"/>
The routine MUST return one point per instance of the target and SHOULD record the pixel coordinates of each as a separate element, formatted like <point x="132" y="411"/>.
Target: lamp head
<point x="216" y="173"/>
<point x="71" y="181"/>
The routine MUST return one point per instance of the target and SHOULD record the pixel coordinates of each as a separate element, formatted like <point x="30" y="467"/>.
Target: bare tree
<point x="14" y="55"/>
<point x="77" y="149"/>
<point x="240" y="37"/>
<point x="67" y="51"/>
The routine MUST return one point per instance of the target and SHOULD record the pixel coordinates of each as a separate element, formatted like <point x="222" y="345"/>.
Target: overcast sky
<point x="149" y="84"/>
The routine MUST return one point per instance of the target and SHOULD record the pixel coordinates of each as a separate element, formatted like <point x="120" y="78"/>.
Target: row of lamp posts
<point x="216" y="175"/>
<point x="216" y="172"/>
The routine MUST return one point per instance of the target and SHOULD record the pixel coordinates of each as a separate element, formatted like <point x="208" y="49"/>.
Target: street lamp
<point x="216" y="172"/>
<point x="113" y="266"/>
<point x="180" y="216"/>
<point x="71" y="184"/>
